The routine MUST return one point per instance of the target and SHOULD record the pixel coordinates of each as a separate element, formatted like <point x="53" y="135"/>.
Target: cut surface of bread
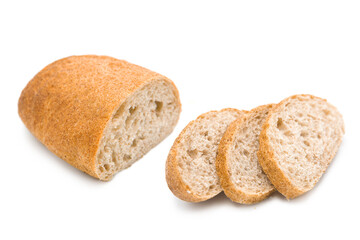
<point x="240" y="173"/>
<point x="139" y="124"/>
<point x="299" y="139"/>
<point x="190" y="167"/>
<point x="98" y="113"/>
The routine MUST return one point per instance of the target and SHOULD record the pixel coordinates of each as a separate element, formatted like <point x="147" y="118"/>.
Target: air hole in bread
<point x="280" y="124"/>
<point x="304" y="134"/>
<point x="132" y="110"/>
<point x="204" y="152"/>
<point x="326" y="112"/>
<point x="307" y="143"/>
<point x="288" y="133"/>
<point x="130" y="117"/>
<point x="127" y="157"/>
<point x="114" y="157"/>
<point x="159" y="106"/>
<point x="134" y="143"/>
<point x="118" y="113"/>
<point x="192" y="153"/>
<point x="312" y="116"/>
<point x="107" y="167"/>
<point x="246" y="152"/>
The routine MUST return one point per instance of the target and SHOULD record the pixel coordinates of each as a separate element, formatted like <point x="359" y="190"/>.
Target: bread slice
<point x="190" y="167"/>
<point x="241" y="176"/>
<point x="299" y="139"/>
<point x="98" y="113"/>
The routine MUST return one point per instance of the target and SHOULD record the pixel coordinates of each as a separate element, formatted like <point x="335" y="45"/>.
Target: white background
<point x="220" y="54"/>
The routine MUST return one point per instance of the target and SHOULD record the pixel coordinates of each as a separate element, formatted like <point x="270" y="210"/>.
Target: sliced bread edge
<point x="222" y="167"/>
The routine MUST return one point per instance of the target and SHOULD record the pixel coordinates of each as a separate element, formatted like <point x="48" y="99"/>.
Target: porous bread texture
<point x="140" y="123"/>
<point x="76" y="105"/>
<point x="240" y="173"/>
<point x="190" y="167"/>
<point x="299" y="139"/>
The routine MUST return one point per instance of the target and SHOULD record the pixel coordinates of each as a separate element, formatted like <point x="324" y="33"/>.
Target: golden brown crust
<point x="267" y="160"/>
<point x="222" y="168"/>
<point x="173" y="177"/>
<point x="68" y="104"/>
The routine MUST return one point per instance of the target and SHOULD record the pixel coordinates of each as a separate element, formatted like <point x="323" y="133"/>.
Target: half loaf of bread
<point x="237" y="165"/>
<point x="98" y="113"/>
<point x="190" y="167"/>
<point x="300" y="137"/>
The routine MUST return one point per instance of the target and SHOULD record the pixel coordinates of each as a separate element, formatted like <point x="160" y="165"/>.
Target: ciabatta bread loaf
<point x="237" y="165"/>
<point x="190" y="167"/>
<point x="98" y="113"/>
<point x="300" y="137"/>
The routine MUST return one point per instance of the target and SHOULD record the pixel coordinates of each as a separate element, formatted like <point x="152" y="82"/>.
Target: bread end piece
<point x="70" y="106"/>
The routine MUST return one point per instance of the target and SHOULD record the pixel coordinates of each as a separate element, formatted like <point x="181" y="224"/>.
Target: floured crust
<point x="222" y="167"/>
<point x="174" y="180"/>
<point x="68" y="104"/>
<point x="269" y="163"/>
